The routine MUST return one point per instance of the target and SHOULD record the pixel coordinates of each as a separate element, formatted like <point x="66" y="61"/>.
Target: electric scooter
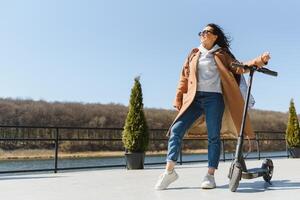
<point x="238" y="169"/>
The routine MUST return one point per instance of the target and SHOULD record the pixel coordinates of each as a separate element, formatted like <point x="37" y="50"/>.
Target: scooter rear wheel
<point x="235" y="178"/>
<point x="268" y="164"/>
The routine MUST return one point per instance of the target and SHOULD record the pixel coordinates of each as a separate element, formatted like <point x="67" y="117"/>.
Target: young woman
<point x="208" y="84"/>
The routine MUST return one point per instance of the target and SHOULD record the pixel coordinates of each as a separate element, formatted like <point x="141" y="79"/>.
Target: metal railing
<point x="56" y="137"/>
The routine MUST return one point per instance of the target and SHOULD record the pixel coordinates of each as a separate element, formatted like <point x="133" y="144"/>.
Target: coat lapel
<point x="194" y="63"/>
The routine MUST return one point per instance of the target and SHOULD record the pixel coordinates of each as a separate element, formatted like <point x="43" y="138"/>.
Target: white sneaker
<point x="208" y="182"/>
<point x="165" y="180"/>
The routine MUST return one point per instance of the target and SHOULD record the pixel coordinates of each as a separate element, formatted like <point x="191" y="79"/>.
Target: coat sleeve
<point x="183" y="82"/>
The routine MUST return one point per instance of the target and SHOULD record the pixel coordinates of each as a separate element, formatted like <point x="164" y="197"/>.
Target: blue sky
<point x="90" y="51"/>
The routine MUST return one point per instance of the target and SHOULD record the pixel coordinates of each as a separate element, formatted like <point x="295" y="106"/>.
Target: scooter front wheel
<point x="235" y="178"/>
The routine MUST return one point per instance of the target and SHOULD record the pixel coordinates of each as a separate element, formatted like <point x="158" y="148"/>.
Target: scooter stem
<point x="238" y="152"/>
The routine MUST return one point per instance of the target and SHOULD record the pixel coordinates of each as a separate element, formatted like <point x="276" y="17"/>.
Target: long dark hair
<point x="223" y="40"/>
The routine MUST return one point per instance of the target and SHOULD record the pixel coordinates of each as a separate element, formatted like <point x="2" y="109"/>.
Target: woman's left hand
<point x="265" y="57"/>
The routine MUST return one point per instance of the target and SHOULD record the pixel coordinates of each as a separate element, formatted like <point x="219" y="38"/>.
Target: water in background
<point x="85" y="162"/>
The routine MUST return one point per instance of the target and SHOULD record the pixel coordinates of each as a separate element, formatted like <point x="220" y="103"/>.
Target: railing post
<point x="56" y="150"/>
<point x="287" y="149"/>
<point x="125" y="158"/>
<point x="223" y="149"/>
<point x="257" y="144"/>
<point x="180" y="154"/>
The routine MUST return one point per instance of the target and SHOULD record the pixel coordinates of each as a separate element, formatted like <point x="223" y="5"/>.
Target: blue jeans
<point x="210" y="103"/>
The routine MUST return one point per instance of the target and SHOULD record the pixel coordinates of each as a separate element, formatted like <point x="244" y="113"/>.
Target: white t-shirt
<point x="208" y="74"/>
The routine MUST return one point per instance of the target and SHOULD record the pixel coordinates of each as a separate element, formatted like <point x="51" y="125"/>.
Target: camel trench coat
<point x="234" y="102"/>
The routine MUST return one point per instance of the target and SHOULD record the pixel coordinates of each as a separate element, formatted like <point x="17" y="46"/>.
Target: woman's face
<point x="207" y="36"/>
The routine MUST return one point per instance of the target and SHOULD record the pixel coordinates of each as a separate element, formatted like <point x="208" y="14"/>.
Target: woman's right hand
<point x="265" y="57"/>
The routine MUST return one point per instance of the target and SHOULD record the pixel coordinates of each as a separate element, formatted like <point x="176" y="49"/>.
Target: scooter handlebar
<point x="263" y="70"/>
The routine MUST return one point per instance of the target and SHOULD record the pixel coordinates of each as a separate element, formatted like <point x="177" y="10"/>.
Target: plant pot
<point x="135" y="160"/>
<point x="294" y="152"/>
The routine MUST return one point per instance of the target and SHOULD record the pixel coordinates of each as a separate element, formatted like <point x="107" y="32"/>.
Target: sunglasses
<point x="201" y="33"/>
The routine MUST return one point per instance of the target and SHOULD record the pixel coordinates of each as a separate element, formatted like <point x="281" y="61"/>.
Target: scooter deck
<point x="254" y="173"/>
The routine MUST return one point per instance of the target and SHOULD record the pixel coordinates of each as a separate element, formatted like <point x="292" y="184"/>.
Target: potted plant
<point x="293" y="132"/>
<point x="135" y="135"/>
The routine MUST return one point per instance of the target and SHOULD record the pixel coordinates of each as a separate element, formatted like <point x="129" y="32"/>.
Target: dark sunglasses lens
<point x="203" y="32"/>
<point x="206" y="32"/>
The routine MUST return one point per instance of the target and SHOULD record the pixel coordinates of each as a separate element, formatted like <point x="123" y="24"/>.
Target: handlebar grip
<point x="267" y="71"/>
<point x="235" y="64"/>
<point x="263" y="70"/>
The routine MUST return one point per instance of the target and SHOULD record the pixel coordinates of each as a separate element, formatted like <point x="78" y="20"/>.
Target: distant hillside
<point x="42" y="113"/>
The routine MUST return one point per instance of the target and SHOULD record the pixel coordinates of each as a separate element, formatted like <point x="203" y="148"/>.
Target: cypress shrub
<point x="293" y="130"/>
<point x="135" y="136"/>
